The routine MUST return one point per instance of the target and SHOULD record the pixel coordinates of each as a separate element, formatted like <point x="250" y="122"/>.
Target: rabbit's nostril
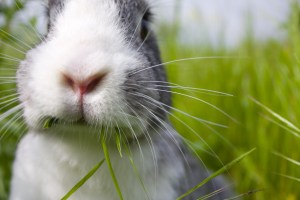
<point x="69" y="81"/>
<point x="93" y="82"/>
<point x="84" y="86"/>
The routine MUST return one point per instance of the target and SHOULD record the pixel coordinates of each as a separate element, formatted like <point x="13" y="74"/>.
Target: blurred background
<point x="233" y="63"/>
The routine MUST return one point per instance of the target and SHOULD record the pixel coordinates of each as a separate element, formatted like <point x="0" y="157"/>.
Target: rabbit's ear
<point x="54" y="8"/>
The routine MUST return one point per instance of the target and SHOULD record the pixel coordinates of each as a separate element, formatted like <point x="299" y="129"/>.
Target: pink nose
<point x="84" y="86"/>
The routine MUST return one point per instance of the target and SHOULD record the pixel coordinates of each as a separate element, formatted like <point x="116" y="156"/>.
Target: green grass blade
<point x="217" y="173"/>
<point x="119" y="146"/>
<point x="289" y="177"/>
<point x="83" y="180"/>
<point x="276" y="115"/>
<point x="49" y="122"/>
<point x="135" y="169"/>
<point x="251" y="192"/>
<point x="111" y="170"/>
<point x="211" y="194"/>
<point x="283" y="127"/>
<point x="287" y="158"/>
<point x="138" y="175"/>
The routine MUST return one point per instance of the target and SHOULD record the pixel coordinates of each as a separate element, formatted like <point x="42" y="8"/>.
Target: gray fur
<point x="131" y="13"/>
<point x="54" y="8"/>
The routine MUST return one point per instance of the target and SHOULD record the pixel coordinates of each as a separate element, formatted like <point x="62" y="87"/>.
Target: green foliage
<point x="7" y="145"/>
<point x="267" y="72"/>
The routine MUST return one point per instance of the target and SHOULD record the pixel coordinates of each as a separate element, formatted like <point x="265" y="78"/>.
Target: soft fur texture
<point x="87" y="37"/>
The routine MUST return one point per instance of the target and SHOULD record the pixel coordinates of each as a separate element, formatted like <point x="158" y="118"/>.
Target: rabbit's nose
<point x="85" y="86"/>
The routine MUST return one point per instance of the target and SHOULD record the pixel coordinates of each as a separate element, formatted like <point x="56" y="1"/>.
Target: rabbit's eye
<point x="145" y="25"/>
<point x="144" y="29"/>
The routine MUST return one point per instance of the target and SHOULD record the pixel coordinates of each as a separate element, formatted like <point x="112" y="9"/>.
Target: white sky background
<point x="227" y="21"/>
<point x="210" y="21"/>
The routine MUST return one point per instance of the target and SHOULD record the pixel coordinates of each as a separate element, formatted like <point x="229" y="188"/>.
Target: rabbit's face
<point x="99" y="65"/>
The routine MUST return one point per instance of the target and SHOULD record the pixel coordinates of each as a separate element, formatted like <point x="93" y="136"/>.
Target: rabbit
<point x="98" y="76"/>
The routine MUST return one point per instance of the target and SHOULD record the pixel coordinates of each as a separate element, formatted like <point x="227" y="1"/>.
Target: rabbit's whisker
<point x="212" y="194"/>
<point x="152" y="149"/>
<point x="161" y="105"/>
<point x="9" y="90"/>
<point x="7" y="126"/>
<point x="191" y="97"/>
<point x="9" y="96"/>
<point x="33" y="29"/>
<point x="7" y="74"/>
<point x="209" y="127"/>
<point x="148" y="136"/>
<point x="7" y="78"/>
<point x="7" y="82"/>
<point x="12" y="38"/>
<point x="184" y="113"/>
<point x="10" y="112"/>
<point x="12" y="47"/>
<point x="187" y="88"/>
<point x="11" y="64"/>
<point x="8" y="69"/>
<point x="10" y="101"/>
<point x="10" y="58"/>
<point x="138" y="25"/>
<point x="132" y="131"/>
<point x="22" y="128"/>
<point x="249" y="193"/>
<point x="167" y="128"/>
<point x="178" y="146"/>
<point x="145" y="39"/>
<point x="182" y="60"/>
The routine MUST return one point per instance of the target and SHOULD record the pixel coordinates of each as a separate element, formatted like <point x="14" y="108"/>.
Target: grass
<point x="267" y="72"/>
<point x="264" y="79"/>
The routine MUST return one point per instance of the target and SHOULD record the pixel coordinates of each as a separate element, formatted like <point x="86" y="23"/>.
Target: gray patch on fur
<point x="129" y="10"/>
<point x="195" y="174"/>
<point x="173" y="149"/>
<point x="54" y="8"/>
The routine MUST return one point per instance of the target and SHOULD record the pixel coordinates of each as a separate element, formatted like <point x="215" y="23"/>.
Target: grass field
<point x="254" y="72"/>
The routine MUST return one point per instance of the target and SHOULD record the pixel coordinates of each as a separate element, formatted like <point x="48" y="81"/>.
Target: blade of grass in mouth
<point x="83" y="180"/>
<point x="49" y="122"/>
<point x="111" y="170"/>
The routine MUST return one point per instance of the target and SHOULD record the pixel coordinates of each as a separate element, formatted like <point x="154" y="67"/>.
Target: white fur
<point x="86" y="39"/>
<point x="48" y="166"/>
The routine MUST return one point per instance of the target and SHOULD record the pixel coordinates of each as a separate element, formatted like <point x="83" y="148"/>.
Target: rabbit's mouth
<point x="49" y="122"/>
<point x="84" y="128"/>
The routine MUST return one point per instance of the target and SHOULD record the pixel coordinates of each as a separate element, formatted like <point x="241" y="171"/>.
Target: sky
<point x="208" y="21"/>
<point x="227" y="21"/>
